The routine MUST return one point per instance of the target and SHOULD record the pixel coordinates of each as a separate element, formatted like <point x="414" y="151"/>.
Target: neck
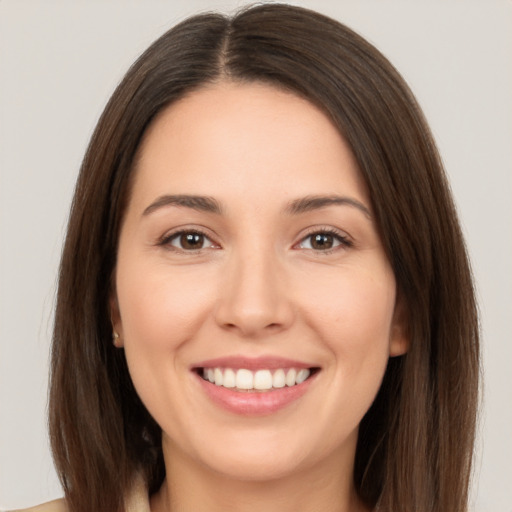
<point x="190" y="486"/>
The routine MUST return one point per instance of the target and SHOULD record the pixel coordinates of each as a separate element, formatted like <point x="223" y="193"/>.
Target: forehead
<point x="248" y="139"/>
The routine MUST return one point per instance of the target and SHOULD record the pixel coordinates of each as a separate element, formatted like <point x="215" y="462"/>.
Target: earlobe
<point x="398" y="346"/>
<point x="116" y="340"/>
<point x="399" y="339"/>
<point x="115" y="320"/>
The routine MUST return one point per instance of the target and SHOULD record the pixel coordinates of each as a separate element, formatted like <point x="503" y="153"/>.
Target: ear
<point x="115" y="319"/>
<point x="399" y="339"/>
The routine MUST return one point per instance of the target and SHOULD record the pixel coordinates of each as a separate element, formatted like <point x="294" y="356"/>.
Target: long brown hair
<point x="415" y="443"/>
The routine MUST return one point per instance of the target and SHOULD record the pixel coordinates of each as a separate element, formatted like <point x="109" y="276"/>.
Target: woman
<point x="264" y="292"/>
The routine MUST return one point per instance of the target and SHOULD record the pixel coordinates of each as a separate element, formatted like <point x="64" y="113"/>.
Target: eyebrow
<point x="295" y="207"/>
<point x="309" y="203"/>
<point x="200" y="203"/>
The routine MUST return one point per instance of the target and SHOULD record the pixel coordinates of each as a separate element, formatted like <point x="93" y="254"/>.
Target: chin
<point x="265" y="455"/>
<point x="260" y="467"/>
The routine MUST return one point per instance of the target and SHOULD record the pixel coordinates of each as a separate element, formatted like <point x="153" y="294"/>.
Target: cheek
<point x="160" y="313"/>
<point x="354" y="307"/>
<point x="159" y="307"/>
<point x="353" y="317"/>
<point x="354" y="314"/>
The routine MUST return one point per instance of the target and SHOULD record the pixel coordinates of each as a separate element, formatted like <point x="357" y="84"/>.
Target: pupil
<point x="322" y="241"/>
<point x="191" y="240"/>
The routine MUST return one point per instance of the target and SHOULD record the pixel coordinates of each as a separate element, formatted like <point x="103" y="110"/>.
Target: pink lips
<point x="252" y="403"/>
<point x="252" y="363"/>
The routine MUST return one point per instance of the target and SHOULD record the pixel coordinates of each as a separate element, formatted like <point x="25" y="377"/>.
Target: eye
<point x="324" y="241"/>
<point x="188" y="241"/>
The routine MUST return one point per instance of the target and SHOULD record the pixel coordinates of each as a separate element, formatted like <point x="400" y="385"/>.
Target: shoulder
<point x="51" y="506"/>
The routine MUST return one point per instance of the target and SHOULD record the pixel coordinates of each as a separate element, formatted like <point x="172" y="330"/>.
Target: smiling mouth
<point x="262" y="380"/>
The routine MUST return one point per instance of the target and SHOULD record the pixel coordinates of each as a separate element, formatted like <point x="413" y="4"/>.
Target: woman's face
<point x="249" y="256"/>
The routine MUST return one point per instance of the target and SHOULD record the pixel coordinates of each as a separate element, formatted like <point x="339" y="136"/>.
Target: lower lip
<point x="254" y="403"/>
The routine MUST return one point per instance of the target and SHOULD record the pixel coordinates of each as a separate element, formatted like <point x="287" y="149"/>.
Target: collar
<point x="137" y="499"/>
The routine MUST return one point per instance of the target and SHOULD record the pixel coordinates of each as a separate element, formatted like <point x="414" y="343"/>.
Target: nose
<point x="254" y="300"/>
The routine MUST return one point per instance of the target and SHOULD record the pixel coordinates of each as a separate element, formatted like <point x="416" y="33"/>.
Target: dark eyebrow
<point x="201" y="203"/>
<point x="308" y="203"/>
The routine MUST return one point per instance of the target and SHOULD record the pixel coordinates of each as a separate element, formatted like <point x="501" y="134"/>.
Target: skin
<point x="257" y="286"/>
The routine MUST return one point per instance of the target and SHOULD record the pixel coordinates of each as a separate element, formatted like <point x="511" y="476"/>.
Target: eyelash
<point x="344" y="241"/>
<point x="166" y="240"/>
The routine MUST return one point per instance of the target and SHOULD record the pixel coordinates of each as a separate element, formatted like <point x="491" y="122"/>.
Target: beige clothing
<point x="136" y="501"/>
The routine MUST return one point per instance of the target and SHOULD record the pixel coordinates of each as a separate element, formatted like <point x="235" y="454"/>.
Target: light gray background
<point x="59" y="62"/>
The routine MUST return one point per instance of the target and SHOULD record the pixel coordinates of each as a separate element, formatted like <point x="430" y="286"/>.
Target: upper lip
<point x="252" y="363"/>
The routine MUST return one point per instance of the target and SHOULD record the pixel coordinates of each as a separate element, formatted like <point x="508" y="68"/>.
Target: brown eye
<point x="189" y="241"/>
<point x="324" y="241"/>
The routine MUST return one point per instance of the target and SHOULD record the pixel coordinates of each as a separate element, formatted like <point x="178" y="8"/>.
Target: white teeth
<point x="218" y="376"/>
<point x="290" y="377"/>
<point x="229" y="378"/>
<point x="244" y="379"/>
<point x="279" y="379"/>
<point x="302" y="376"/>
<point x="261" y="380"/>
